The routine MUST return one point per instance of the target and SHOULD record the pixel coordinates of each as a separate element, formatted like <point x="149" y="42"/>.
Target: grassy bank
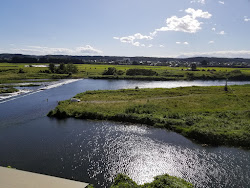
<point x="159" y="181"/>
<point x="7" y="89"/>
<point x="163" y="181"/>
<point x="208" y="115"/>
<point x="10" y="73"/>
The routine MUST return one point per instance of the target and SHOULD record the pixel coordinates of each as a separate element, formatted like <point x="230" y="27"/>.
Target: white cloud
<point x="185" y="43"/>
<point x="198" y="1"/>
<point x="184" y="24"/>
<point x="161" y="46"/>
<point x="226" y="54"/>
<point x="188" y="23"/>
<point x="136" y="44"/>
<point x="139" y="36"/>
<point x="246" y="19"/>
<point x="211" y="42"/>
<point x="150" y="45"/>
<point x="198" y="13"/>
<point x="87" y="50"/>
<point x="213" y="29"/>
<point x="221" y="2"/>
<point x="221" y="33"/>
<point x="132" y="39"/>
<point x="40" y="50"/>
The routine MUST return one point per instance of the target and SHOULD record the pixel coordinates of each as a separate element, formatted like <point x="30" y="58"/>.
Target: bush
<point x="21" y="71"/>
<point x="110" y="71"/>
<point x="143" y="72"/>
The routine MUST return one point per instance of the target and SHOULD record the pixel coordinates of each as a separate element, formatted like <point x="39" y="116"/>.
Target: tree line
<point x="63" y="68"/>
<point x="130" y="72"/>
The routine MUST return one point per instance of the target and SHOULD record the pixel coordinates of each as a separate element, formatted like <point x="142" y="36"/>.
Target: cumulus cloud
<point x="213" y="29"/>
<point x="198" y="1"/>
<point x="132" y="39"/>
<point x="188" y="23"/>
<point x="211" y="42"/>
<point x="198" y="13"/>
<point x="221" y="33"/>
<point x="41" y="50"/>
<point x="246" y="19"/>
<point x="221" y="2"/>
<point x="161" y="46"/>
<point x="226" y="54"/>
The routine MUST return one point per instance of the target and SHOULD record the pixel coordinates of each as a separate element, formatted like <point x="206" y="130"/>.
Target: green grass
<point x="8" y="90"/>
<point x="163" y="181"/>
<point x="9" y="73"/>
<point x="206" y="114"/>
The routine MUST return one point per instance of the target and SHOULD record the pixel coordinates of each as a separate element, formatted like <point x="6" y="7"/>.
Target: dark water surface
<point x="95" y="151"/>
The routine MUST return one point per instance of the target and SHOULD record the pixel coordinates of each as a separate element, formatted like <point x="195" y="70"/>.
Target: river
<point x="95" y="151"/>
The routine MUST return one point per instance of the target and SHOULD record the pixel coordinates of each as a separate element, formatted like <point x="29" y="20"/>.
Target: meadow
<point x="15" y="73"/>
<point x="208" y="115"/>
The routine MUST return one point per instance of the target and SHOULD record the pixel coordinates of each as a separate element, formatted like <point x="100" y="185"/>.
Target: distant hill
<point x="20" y="58"/>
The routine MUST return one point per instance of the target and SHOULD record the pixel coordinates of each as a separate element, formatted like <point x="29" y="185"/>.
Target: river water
<point x="95" y="151"/>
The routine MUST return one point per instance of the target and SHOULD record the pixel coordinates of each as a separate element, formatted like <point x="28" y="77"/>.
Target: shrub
<point x="110" y="71"/>
<point x="143" y="72"/>
<point x="21" y="71"/>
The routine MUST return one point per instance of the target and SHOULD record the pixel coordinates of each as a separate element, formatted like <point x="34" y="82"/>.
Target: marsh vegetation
<point x="208" y="115"/>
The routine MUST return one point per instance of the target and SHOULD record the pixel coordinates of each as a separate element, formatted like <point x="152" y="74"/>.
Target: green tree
<point x="61" y="69"/>
<point x="70" y="68"/>
<point x="52" y="67"/>
<point x="193" y="67"/>
<point x="204" y="63"/>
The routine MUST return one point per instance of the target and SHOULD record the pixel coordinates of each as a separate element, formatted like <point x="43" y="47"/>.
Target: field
<point x="209" y="115"/>
<point x="10" y="73"/>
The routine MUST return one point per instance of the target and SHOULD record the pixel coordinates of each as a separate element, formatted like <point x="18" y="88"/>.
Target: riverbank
<point x="7" y="89"/>
<point x="209" y="115"/>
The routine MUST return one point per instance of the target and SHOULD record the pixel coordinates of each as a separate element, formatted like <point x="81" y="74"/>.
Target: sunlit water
<point x="95" y="151"/>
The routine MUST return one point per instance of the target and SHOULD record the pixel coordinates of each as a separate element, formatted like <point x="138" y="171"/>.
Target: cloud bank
<point x="223" y="54"/>
<point x="40" y="50"/>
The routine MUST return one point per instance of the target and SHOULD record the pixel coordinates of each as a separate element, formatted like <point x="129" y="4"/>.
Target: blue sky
<point x="162" y="28"/>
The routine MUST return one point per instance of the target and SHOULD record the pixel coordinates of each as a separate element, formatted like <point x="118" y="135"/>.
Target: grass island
<point x="209" y="115"/>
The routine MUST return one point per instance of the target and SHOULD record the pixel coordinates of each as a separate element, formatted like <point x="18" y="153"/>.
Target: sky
<point x="152" y="28"/>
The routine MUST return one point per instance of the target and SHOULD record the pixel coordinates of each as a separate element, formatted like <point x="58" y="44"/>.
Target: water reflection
<point x="142" y="153"/>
